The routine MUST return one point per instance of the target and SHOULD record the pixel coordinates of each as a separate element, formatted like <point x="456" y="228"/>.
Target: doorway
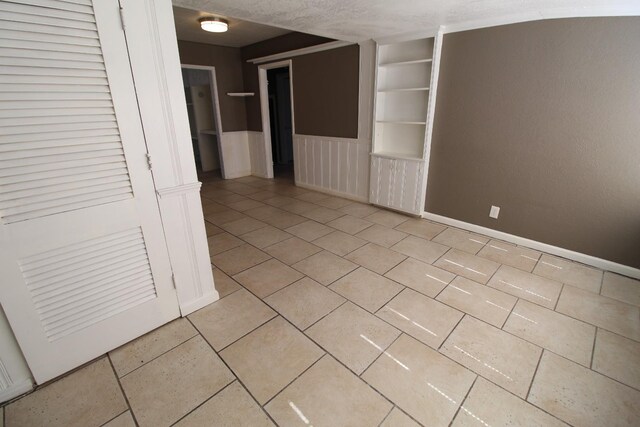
<point x="276" y="102"/>
<point x="204" y="119"/>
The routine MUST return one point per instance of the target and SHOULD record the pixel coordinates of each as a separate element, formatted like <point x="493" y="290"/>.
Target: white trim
<point x="216" y="106"/>
<point x="16" y="389"/>
<point x="433" y="94"/>
<point x="195" y="305"/>
<point x="179" y="190"/>
<point x="298" y="52"/>
<point x="332" y="192"/>
<point x="539" y="246"/>
<point x="264" y="108"/>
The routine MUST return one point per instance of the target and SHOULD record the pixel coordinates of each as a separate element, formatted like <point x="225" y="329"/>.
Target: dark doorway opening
<point x="279" y="90"/>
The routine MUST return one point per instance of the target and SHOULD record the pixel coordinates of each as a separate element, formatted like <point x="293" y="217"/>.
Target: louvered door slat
<point x="59" y="127"/>
<point x="52" y="6"/>
<point x="49" y="54"/>
<point x="45" y="112"/>
<point x="12" y="34"/>
<point x="48" y="46"/>
<point x="50" y="30"/>
<point x="44" y="20"/>
<point x="20" y="152"/>
<point x="68" y="172"/>
<point x="60" y="144"/>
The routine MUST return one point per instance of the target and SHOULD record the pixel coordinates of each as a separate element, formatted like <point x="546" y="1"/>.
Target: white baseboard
<point x="332" y="192"/>
<point x="600" y="263"/>
<point x="237" y="174"/>
<point x="192" y="306"/>
<point x="16" y="389"/>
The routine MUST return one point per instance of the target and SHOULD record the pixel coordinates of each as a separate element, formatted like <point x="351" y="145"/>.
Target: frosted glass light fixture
<point x="214" y="25"/>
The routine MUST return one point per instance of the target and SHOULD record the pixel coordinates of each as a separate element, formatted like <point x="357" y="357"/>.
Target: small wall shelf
<point x="404" y="89"/>
<point x="416" y="61"/>
<point x="209" y="131"/>
<point x="240" y="93"/>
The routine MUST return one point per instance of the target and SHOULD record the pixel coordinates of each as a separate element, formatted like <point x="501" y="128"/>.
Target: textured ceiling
<point x="357" y="20"/>
<point x="241" y="33"/>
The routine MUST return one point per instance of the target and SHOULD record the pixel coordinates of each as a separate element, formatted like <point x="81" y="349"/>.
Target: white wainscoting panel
<point x="15" y="377"/>
<point x="338" y="166"/>
<point x="397" y="183"/>
<point x="236" y="157"/>
<point x="257" y="154"/>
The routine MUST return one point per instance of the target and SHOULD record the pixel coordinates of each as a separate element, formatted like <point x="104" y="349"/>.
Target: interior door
<point x="82" y="253"/>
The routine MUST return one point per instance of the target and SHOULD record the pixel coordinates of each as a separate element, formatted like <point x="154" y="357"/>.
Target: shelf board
<point x="209" y="131"/>
<point x="401" y="122"/>
<point x="240" y="93"/>
<point x="394" y="155"/>
<point x="415" y="61"/>
<point x="406" y="89"/>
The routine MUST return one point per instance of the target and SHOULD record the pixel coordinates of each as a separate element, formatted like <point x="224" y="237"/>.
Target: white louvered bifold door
<point x="83" y="258"/>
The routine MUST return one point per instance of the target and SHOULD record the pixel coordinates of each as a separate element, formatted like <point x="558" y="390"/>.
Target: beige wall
<point x="543" y="120"/>
<point x="228" y="63"/>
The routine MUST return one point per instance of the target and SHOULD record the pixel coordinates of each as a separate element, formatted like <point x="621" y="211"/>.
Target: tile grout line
<point x="206" y="400"/>
<point x="126" y="398"/>
<point x="464" y="399"/>
<point x="593" y="349"/>
<point x="121" y="413"/>
<point x="535" y="372"/>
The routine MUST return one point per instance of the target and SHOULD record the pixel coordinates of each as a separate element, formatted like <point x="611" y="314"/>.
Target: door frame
<point x="264" y="109"/>
<point x="216" y="106"/>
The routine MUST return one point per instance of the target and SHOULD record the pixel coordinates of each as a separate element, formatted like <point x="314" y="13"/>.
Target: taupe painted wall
<point x="228" y="63"/>
<point x="325" y="86"/>
<point x="543" y="120"/>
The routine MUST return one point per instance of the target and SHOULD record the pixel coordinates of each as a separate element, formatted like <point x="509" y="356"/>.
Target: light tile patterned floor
<point x="339" y="313"/>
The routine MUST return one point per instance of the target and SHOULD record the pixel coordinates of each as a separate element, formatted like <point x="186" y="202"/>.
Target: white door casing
<point x="82" y="251"/>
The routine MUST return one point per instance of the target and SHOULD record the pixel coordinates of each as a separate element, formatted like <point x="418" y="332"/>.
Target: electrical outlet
<point x="494" y="212"/>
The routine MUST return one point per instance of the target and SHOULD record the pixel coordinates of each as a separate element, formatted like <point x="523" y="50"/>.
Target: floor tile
<point x="347" y="334"/>
<point x="421" y="249"/>
<point x="212" y="229"/>
<point x="212" y="207"/>
<point x="263" y="212"/>
<point x="423" y="318"/>
<point x="230" y="318"/>
<point x="279" y="201"/>
<point x="266" y="236"/>
<point x="245" y="205"/>
<point x="224" y="284"/>
<point x="261" y="195"/>
<point x="312" y="196"/>
<point x="381" y="235"/>
<point x="422" y="382"/>
<point x="222" y="242"/>
<point x="387" y="218"/>
<point x="338" y="398"/>
<point x="222" y="217"/>
<point x="607" y="313"/>
<point x="227" y="199"/>
<point x="240" y="188"/>
<point x="359" y="209"/>
<point x="617" y="357"/>
<point x="309" y="230"/>
<point x="582" y="397"/>
<point x="233" y="406"/>
<point x="334" y="202"/>
<point x="366" y="288"/>
<point x="461" y="240"/>
<point x="242" y="226"/>
<point x="89" y="396"/>
<point x="284" y="353"/>
<point x="515" y="256"/>
<point x="268" y="277"/>
<point x="239" y="259"/>
<point x="285" y="220"/>
<point x="304" y="302"/>
<point x="478" y="300"/>
<point x="123" y="420"/>
<point x="350" y="224"/>
<point x="149" y="346"/>
<point x="397" y="418"/>
<point x="421" y="277"/>
<point x="470" y="266"/>
<point x="530" y="287"/>
<point x="292" y="250"/>
<point x="322" y="214"/>
<point x="504" y="359"/>
<point x="569" y="272"/>
<point x="421" y="228"/>
<point x="490" y="405"/>
<point x="299" y="207"/>
<point x="376" y="258"/>
<point x="563" y="335"/>
<point x="622" y="288"/>
<point x="339" y="243"/>
<point x="169" y="387"/>
<point x="325" y="267"/>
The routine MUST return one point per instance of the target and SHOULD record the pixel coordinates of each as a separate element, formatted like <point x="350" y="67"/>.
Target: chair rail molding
<point x="155" y="64"/>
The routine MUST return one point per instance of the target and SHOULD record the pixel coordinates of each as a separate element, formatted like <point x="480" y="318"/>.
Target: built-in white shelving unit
<point x="403" y="119"/>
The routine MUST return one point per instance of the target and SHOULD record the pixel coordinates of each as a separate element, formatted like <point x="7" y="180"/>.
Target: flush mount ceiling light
<point x="214" y="25"/>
